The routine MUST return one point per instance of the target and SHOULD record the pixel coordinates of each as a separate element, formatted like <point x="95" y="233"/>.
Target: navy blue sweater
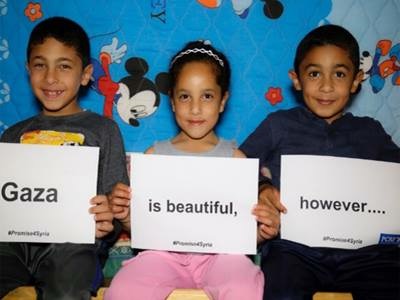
<point x="298" y="131"/>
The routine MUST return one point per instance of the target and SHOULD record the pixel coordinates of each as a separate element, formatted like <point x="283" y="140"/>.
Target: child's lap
<point x="189" y="269"/>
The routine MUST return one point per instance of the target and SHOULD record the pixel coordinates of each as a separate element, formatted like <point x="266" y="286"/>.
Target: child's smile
<point x="52" y="93"/>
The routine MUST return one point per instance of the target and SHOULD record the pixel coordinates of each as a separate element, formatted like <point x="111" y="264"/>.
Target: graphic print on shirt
<point x="51" y="137"/>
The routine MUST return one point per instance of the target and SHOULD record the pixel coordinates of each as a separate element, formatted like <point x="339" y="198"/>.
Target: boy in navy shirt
<point x="326" y="73"/>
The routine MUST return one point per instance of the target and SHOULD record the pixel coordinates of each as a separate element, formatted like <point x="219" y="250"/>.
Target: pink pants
<point x="153" y="275"/>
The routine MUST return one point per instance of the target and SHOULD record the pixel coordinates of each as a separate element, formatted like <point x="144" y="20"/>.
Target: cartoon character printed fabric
<point x="132" y="42"/>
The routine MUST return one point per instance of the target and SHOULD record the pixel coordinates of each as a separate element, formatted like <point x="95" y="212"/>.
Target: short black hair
<point x="65" y="31"/>
<point x="328" y="35"/>
<point x="200" y="51"/>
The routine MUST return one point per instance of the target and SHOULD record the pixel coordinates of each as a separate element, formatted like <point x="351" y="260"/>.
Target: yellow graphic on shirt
<point x="50" y="137"/>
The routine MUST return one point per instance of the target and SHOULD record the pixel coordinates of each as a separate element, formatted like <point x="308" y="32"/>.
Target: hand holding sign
<point x="103" y="215"/>
<point x="120" y="201"/>
<point x="268" y="212"/>
<point x="197" y="210"/>
<point x="42" y="187"/>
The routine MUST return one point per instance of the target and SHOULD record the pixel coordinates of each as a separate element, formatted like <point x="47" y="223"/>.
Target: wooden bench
<point x="28" y="293"/>
<point x="332" y="296"/>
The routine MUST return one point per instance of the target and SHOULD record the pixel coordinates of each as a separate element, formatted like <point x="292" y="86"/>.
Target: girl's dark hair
<point x="65" y="31"/>
<point x="328" y="35"/>
<point x="200" y="51"/>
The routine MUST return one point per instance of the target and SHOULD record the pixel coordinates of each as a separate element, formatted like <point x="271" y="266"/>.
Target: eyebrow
<point x="60" y="59"/>
<point x="335" y="66"/>
<point x="209" y="90"/>
<point x="188" y="91"/>
<point x="343" y="66"/>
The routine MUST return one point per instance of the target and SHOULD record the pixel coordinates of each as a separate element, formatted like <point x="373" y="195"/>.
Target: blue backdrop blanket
<point x="259" y="38"/>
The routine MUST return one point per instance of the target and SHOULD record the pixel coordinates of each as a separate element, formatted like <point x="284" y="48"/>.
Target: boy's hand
<point x="120" y="200"/>
<point x="267" y="213"/>
<point x="102" y="215"/>
<point x="269" y="194"/>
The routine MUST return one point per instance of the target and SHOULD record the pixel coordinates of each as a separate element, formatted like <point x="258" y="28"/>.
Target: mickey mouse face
<point x="139" y="96"/>
<point x="140" y="105"/>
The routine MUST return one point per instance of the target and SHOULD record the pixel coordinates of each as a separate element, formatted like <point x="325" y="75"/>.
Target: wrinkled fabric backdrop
<point x="132" y="42"/>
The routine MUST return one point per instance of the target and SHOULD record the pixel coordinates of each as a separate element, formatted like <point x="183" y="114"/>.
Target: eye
<point x="38" y="66"/>
<point x="64" y="67"/>
<point x="340" y="74"/>
<point x="208" y="97"/>
<point x="183" y="97"/>
<point x="314" y="74"/>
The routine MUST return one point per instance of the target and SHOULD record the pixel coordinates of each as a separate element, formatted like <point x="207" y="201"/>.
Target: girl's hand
<point x="120" y="200"/>
<point x="267" y="213"/>
<point x="102" y="215"/>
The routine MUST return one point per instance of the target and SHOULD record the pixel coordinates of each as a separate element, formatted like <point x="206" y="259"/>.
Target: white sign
<point x="340" y="202"/>
<point x="45" y="193"/>
<point x="194" y="204"/>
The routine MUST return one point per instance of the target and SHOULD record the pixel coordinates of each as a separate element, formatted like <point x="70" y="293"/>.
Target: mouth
<point x="325" y="101"/>
<point x="196" y="122"/>
<point x="52" y="93"/>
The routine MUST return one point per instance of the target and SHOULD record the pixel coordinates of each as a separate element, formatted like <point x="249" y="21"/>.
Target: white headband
<point x="197" y="50"/>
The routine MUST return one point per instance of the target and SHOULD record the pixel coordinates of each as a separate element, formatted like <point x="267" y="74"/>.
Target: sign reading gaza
<point x="41" y="187"/>
<point x="331" y="200"/>
<point x="10" y="191"/>
<point x="202" y="204"/>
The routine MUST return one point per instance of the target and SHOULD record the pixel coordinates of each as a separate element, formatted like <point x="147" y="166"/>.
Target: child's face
<point x="197" y="100"/>
<point x="56" y="75"/>
<point x="326" y="78"/>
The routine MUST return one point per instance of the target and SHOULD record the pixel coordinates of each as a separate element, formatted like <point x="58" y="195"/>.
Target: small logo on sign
<point x="389" y="239"/>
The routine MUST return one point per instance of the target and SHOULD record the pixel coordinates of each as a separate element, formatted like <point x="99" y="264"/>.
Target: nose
<point x="195" y="106"/>
<point x="51" y="76"/>
<point x="326" y="84"/>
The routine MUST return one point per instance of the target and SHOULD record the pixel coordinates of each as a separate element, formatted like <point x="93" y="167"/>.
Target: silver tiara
<point x="199" y="50"/>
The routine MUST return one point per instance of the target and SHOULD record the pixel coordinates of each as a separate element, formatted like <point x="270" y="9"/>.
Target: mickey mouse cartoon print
<point x="133" y="96"/>
<point x="139" y="96"/>
<point x="382" y="66"/>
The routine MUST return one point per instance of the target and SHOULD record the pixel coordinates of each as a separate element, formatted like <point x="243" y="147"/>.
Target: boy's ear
<point x="223" y="102"/>
<point x="86" y="74"/>
<point x="357" y="81"/>
<point x="295" y="80"/>
<point x="27" y="68"/>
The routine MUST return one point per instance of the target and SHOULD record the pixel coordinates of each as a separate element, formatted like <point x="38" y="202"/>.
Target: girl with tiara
<point x="199" y="84"/>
